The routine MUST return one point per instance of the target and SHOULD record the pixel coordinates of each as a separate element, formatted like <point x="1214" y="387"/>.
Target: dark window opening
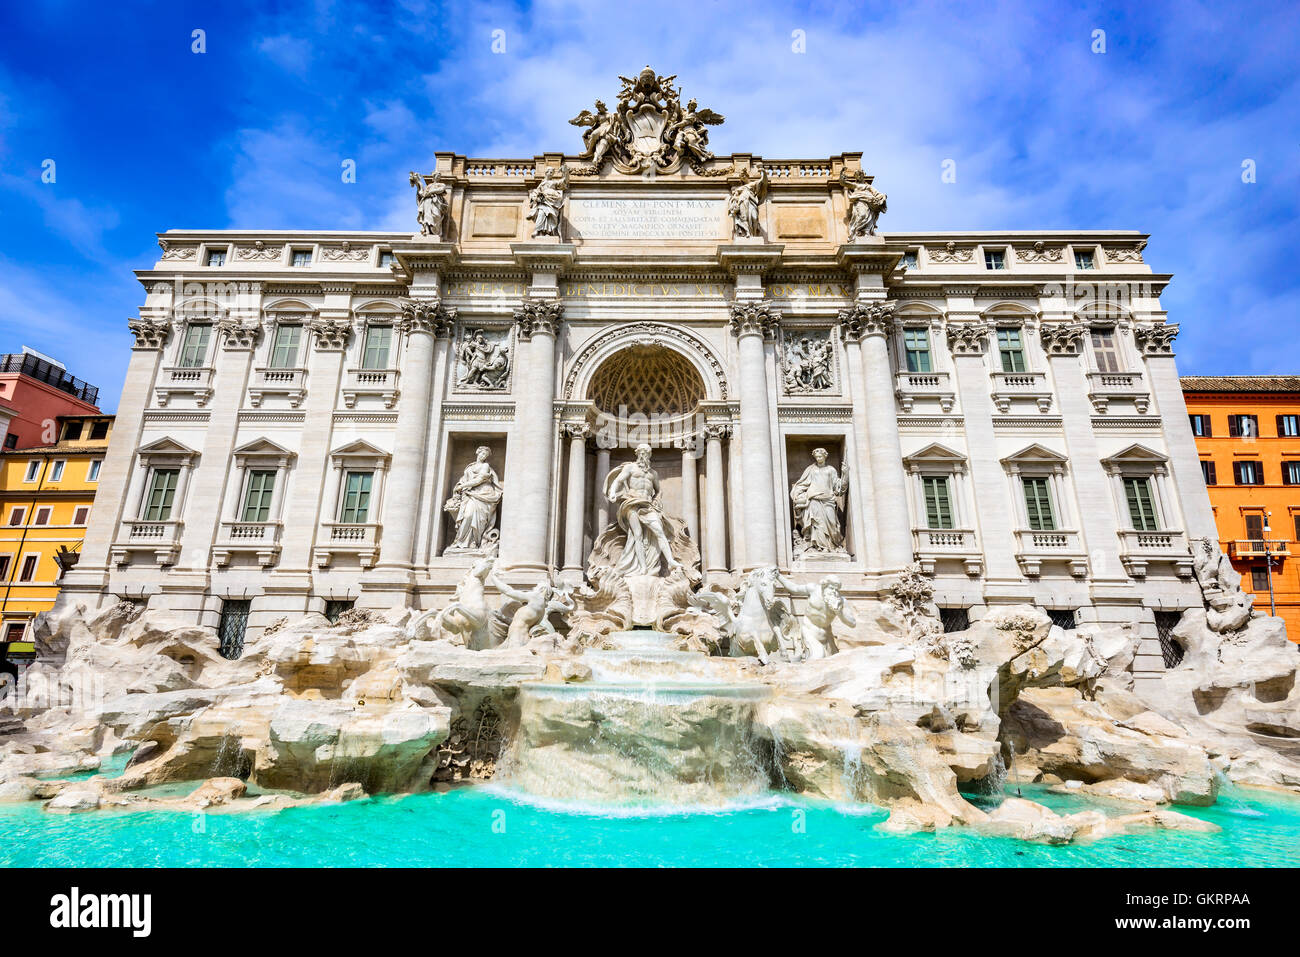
<point x="335" y="607"/>
<point x="1063" y="618"/>
<point x="954" y="619"/>
<point x="234" y="623"/>
<point x="1170" y="649"/>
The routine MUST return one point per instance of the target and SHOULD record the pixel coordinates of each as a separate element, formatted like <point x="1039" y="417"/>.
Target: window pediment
<point x="1035" y="455"/>
<point x="937" y="456"/>
<point x="263" y="449"/>
<point x="166" y="449"/>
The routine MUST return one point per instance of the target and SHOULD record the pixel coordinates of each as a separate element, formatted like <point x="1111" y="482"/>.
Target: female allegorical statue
<point x="818" y="497"/>
<point x="474" y="501"/>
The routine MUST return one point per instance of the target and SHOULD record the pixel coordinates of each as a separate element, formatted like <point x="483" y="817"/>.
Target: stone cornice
<point x="544" y="257"/>
<point x="859" y="258"/>
<point x="739" y="258"/>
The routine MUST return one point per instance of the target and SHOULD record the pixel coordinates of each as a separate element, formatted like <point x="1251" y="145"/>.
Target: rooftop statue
<point x="866" y="203"/>
<point x="431" y="197"/>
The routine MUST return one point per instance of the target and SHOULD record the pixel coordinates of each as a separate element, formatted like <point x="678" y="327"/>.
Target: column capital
<point x="865" y="319"/>
<point x="149" y="333"/>
<point x="754" y="318"/>
<point x="538" y="317"/>
<point x="331" y="335"/>
<point x="426" y="315"/>
<point x="238" y="337"/>
<point x="967" y="338"/>
<point x="1155" y="338"/>
<point x="717" y="430"/>
<point x="576" y="430"/>
<point x="1063" y="338"/>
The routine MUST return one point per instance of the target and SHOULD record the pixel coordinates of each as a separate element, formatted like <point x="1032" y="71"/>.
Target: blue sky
<point x="1149" y="135"/>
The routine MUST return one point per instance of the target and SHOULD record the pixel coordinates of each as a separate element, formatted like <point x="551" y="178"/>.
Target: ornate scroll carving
<point x="426" y="315"/>
<point x="754" y="318"/>
<point x="967" y="338"/>
<point x="1125" y="254"/>
<point x="331" y="335"/>
<point x="538" y="316"/>
<point x="1156" y="338"/>
<point x="950" y="253"/>
<point x="177" y="252"/>
<point x="235" y="335"/>
<point x="259" y="252"/>
<point x="1041" y="253"/>
<point x="864" y="319"/>
<point x="1063" y="338"/>
<point x="150" y="333"/>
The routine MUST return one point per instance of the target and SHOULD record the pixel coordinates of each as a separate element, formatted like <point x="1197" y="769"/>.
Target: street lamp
<point x="1268" y="558"/>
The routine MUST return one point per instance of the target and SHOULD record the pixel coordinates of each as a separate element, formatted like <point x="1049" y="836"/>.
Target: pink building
<point x="34" y="392"/>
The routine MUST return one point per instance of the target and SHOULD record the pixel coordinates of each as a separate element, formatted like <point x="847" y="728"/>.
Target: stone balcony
<point x="1107" y="387"/>
<point x="936" y="386"/>
<point x="380" y="382"/>
<point x="162" y="538"/>
<point x="261" y="539"/>
<point x="343" y="538"/>
<point x="1012" y="386"/>
<point x="1258" y="548"/>
<point x="183" y="380"/>
<point x="1140" y="549"/>
<point x="291" y="383"/>
<point x="931" y="545"/>
<point x="1035" y="548"/>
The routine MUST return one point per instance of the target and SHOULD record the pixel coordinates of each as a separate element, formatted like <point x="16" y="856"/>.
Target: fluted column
<point x="691" y="493"/>
<point x="602" y="503"/>
<point x="715" y="508"/>
<point x="871" y="323"/>
<point x="525" y="514"/>
<point x="423" y="321"/>
<point x="574" y="513"/>
<point x="752" y="322"/>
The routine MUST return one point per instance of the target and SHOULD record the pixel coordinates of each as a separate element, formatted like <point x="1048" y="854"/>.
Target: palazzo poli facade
<point x="332" y="417"/>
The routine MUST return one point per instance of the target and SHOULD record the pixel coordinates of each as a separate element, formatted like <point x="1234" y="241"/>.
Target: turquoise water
<point x="488" y="827"/>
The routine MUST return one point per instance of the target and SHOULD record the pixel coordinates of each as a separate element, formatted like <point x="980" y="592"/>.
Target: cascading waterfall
<point x="652" y="724"/>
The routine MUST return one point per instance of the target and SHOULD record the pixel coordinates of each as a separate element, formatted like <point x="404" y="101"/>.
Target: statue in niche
<point x="818" y="497"/>
<point x="633" y="489"/>
<point x="546" y="201"/>
<point x="474" y="501"/>
<point x="431" y="198"/>
<point x="485" y="362"/>
<point x="866" y="203"/>
<point x="817" y="624"/>
<point x="742" y="206"/>
<point x="807" y="365"/>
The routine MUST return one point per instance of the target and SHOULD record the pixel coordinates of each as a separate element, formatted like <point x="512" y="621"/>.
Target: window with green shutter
<point x="356" y="498"/>
<point x="379" y="342"/>
<point x="257" y="501"/>
<point x="1011" y="349"/>
<point x="1141" y="508"/>
<point x="938" y="505"/>
<point x="284" y="353"/>
<point x="194" y="351"/>
<point x="162" y="492"/>
<point x="1038" y="504"/>
<point x="916" y="345"/>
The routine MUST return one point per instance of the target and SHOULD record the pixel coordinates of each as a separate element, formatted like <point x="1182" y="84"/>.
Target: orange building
<point x="1247" y="431"/>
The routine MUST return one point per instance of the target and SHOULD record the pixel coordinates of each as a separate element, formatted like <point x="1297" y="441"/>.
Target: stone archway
<point x="597" y="351"/>
<point x="646" y="379"/>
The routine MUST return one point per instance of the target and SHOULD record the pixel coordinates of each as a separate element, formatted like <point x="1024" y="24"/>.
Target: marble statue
<point x="754" y="622"/>
<point x="484" y="362"/>
<point x="807" y="365"/>
<point x="818" y="498"/>
<point x="866" y="203"/>
<point x="742" y="205"/>
<point x="1228" y="607"/>
<point x="633" y="489"/>
<point x="474" y="500"/>
<point x="527" y="614"/>
<point x="825" y="607"/>
<point x="432" y="197"/>
<point x="689" y="134"/>
<point x="546" y="201"/>
<point x="465" y="621"/>
<point x="602" y="134"/>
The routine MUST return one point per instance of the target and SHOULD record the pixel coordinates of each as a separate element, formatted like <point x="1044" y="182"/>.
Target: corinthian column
<point x="752" y="323"/>
<point x="525" y="509"/>
<point x="424" y="322"/>
<point x="870" y="324"/>
<point x="574" y="513"/>
<point x="715" y="509"/>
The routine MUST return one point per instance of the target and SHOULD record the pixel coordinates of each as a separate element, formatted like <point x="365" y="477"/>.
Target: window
<point x="916" y="346"/>
<point x="954" y="619"/>
<point x="15" y="631"/>
<point x="1011" y="349"/>
<point x="938" y="504"/>
<point x="379" y="342"/>
<point x="72" y="430"/>
<point x="1207" y="469"/>
<point x="17" y="515"/>
<point x="356" y="498"/>
<point x="301" y="257"/>
<point x="1243" y="426"/>
<point x="33" y="470"/>
<point x="1288" y="426"/>
<point x="11" y="441"/>
<point x="99" y="430"/>
<point x="1038" y="504"/>
<point x="995" y="259"/>
<point x="909" y="260"/>
<point x="56" y="470"/>
<point x="1064" y="618"/>
<point x="1295" y="518"/>
<point x="1170" y="649"/>
<point x="29" y="568"/>
<point x="80" y="516"/>
<point x="216" y="257"/>
<point x="335" y="607"/>
<point x="1248" y="473"/>
<point x="1291" y="473"/>
<point x="92" y="471"/>
<point x="1254" y="526"/>
<point x="5" y="561"/>
<point x="1141" y="508"/>
<point x="194" y="350"/>
<point x="386" y="258"/>
<point x="1083" y="259"/>
<point x="233" y="626"/>
<point x="1201" y="426"/>
<point x="257" y="500"/>
<point x="162" y="492"/>
<point x="1105" y="350"/>
<point x="42" y="515"/>
<point x="284" y="353"/>
<point x="1259" y="578"/>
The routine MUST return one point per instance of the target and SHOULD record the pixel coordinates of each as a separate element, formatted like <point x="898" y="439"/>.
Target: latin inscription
<point x="646" y="218"/>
